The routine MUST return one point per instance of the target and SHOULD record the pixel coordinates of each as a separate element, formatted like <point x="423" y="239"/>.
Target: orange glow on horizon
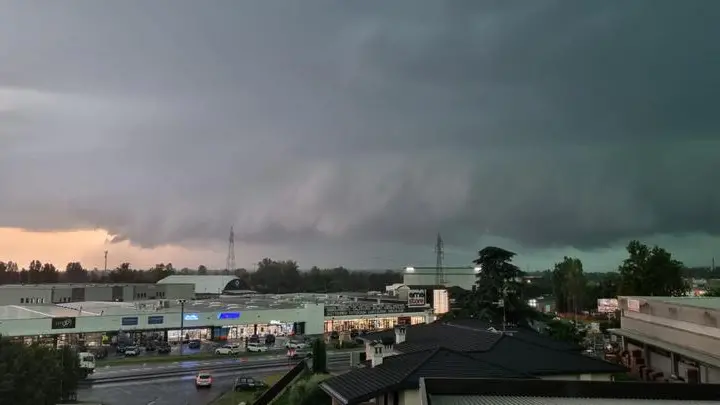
<point x="88" y="247"/>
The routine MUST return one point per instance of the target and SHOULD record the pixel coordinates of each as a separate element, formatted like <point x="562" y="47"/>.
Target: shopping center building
<point x="223" y="317"/>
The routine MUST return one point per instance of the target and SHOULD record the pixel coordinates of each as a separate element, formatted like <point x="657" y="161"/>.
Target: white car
<point x="132" y="351"/>
<point x="256" y="347"/>
<point x="228" y="349"/>
<point x="296" y="345"/>
<point x="203" y="380"/>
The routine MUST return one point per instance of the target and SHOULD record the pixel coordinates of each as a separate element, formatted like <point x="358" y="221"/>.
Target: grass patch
<point x="234" y="398"/>
<point x="155" y="359"/>
<point x="284" y="398"/>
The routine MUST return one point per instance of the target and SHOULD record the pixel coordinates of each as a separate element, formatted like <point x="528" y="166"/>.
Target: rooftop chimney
<point x="377" y="355"/>
<point x="399" y="334"/>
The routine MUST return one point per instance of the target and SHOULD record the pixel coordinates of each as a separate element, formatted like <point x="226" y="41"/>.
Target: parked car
<point x="244" y="383"/>
<point x="296" y="344"/>
<point x="256" y="347"/>
<point x="228" y="349"/>
<point x="203" y="380"/>
<point x="299" y="354"/>
<point x="132" y="351"/>
<point x="270" y="339"/>
<point x="254" y="339"/>
<point x="164" y="348"/>
<point x="194" y="344"/>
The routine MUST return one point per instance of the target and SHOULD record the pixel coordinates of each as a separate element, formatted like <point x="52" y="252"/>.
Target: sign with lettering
<point x="416" y="298"/>
<point x="367" y="309"/>
<point x="63" y="323"/>
<point x="156" y="320"/>
<point x="130" y="321"/>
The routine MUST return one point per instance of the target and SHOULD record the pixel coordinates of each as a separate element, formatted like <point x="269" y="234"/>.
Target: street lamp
<point x="182" y="322"/>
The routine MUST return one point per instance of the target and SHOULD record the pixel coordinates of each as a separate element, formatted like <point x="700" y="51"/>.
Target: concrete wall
<point x="673" y="311"/>
<point x="312" y="315"/>
<point x="20" y="296"/>
<point x="99" y="294"/>
<point x="703" y="342"/>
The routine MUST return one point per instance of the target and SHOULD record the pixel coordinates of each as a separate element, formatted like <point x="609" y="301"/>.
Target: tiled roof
<point x="443" y="350"/>
<point x="517" y="354"/>
<point x="405" y="371"/>
<point x="428" y="336"/>
<point x="520" y="332"/>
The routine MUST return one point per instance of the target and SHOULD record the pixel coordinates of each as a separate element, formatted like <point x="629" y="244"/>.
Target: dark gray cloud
<point x="550" y="123"/>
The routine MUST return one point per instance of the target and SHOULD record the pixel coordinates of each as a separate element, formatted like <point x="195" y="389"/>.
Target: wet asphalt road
<point x="181" y="390"/>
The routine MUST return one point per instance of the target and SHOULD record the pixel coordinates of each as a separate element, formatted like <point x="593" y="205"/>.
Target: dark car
<point x="270" y="339"/>
<point x="194" y="344"/>
<point x="254" y="339"/>
<point x="244" y="383"/>
<point x="164" y="348"/>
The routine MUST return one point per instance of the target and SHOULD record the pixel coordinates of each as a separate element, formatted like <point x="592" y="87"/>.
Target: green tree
<point x="308" y="392"/>
<point x="36" y="375"/>
<point x="74" y="273"/>
<point x="569" y="285"/>
<point x="319" y="357"/>
<point x="202" y="270"/>
<point x="651" y="272"/>
<point x="498" y="292"/>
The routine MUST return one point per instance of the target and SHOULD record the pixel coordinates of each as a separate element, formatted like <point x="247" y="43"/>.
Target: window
<point x="22" y="300"/>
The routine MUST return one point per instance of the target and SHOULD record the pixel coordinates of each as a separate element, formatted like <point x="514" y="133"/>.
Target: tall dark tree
<point x="569" y="285"/>
<point x="498" y="293"/>
<point x="74" y="273"/>
<point x="651" y="272"/>
<point x="319" y="357"/>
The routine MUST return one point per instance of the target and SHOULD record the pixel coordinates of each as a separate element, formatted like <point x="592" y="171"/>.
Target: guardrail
<point x="280" y="385"/>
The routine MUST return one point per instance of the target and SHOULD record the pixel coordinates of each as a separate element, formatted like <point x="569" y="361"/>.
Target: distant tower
<point x="439" y="256"/>
<point x="230" y="263"/>
<point x="105" y="268"/>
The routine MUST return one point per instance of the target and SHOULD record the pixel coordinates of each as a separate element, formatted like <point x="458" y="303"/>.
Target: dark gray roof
<point x="405" y="370"/>
<point x="537" y="360"/>
<point x="473" y="391"/>
<point x="520" y="332"/>
<point x="444" y="350"/>
<point x="427" y="336"/>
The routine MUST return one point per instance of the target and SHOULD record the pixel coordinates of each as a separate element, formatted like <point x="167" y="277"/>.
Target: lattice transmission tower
<point x="439" y="265"/>
<point x="230" y="262"/>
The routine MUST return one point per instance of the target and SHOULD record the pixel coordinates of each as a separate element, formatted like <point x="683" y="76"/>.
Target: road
<point x="134" y="369"/>
<point x="174" y="390"/>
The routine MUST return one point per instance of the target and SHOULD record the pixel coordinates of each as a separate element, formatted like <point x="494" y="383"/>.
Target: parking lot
<point x="207" y="347"/>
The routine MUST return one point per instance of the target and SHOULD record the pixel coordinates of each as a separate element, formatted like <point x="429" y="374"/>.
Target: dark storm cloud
<point x="551" y="123"/>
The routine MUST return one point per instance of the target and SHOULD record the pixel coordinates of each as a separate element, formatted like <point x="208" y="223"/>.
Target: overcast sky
<point x="352" y="132"/>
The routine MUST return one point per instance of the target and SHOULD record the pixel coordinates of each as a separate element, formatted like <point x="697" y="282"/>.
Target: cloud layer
<point x="549" y="123"/>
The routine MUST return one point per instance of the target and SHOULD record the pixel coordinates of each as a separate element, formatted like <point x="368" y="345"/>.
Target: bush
<point x="308" y="392"/>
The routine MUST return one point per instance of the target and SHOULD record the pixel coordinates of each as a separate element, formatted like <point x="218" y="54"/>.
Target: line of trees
<point x="270" y="276"/>
<point x="502" y="290"/>
<point x="646" y="271"/>
<point x="37" y="375"/>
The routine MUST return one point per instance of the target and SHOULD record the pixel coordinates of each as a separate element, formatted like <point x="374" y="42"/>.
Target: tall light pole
<point x="182" y="323"/>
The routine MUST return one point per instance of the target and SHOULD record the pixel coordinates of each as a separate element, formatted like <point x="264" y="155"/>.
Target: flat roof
<point x="221" y="303"/>
<point x="77" y="285"/>
<point x="520" y="400"/>
<point x="699" y="302"/>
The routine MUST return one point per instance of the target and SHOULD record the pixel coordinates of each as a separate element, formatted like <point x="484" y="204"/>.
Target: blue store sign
<point x="130" y="321"/>
<point x="156" y="320"/>
<point x="228" y="315"/>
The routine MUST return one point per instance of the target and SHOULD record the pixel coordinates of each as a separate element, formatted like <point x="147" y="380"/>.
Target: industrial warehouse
<point x="197" y="307"/>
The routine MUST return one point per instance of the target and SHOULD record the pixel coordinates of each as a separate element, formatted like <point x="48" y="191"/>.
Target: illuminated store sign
<point x="368" y="309"/>
<point x="155" y="320"/>
<point x="228" y="315"/>
<point x="191" y="317"/>
<point x="129" y="321"/>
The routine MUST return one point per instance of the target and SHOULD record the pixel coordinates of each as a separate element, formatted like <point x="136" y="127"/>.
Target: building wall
<point x="99" y="293"/>
<point x="312" y="315"/>
<point x="409" y="397"/>
<point x="19" y="296"/>
<point x="463" y="278"/>
<point x="179" y="291"/>
<point x="649" y="326"/>
<point x="579" y="377"/>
